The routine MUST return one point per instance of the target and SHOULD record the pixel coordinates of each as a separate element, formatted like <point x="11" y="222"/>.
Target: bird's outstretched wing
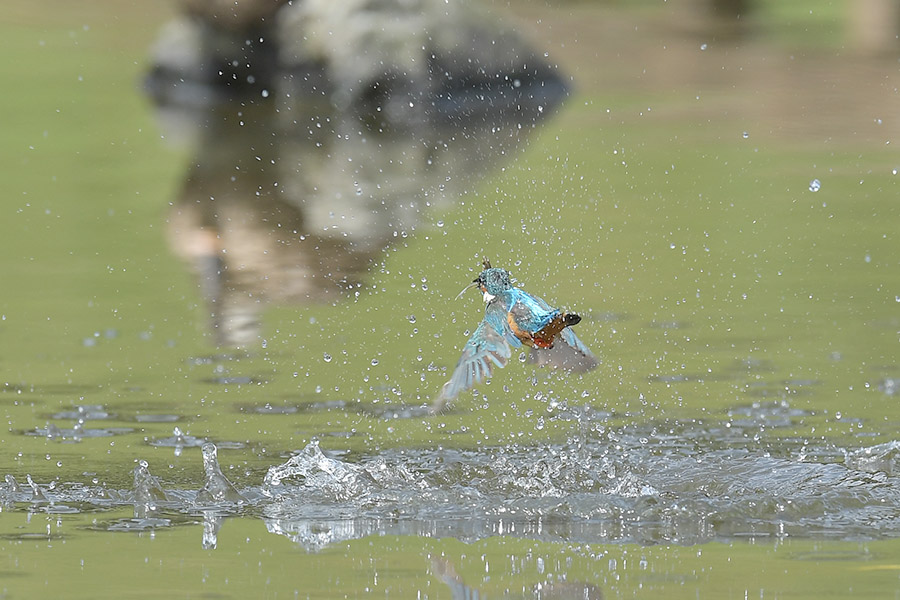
<point x="489" y="346"/>
<point x="567" y="353"/>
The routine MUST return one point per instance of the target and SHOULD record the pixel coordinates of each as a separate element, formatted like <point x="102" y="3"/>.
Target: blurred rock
<point x="324" y="132"/>
<point x="411" y="58"/>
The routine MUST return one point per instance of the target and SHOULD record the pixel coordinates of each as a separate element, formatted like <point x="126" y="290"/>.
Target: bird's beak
<point x="463" y="291"/>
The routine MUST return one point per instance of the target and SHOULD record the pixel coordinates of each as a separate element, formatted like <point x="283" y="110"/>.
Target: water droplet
<point x="374" y="362"/>
<point x="703" y="46"/>
<point x="745" y="135"/>
<point x="327" y="357"/>
<point x="815" y="185"/>
<point x="440" y="223"/>
<point x="411" y="318"/>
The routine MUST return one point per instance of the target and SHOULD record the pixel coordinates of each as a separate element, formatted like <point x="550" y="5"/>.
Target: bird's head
<point x="492" y="281"/>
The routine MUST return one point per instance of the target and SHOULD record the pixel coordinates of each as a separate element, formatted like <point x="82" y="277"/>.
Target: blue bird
<point x="513" y="318"/>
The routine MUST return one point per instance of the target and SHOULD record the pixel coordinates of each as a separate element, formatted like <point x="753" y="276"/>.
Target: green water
<point x="669" y="203"/>
<point x="74" y="561"/>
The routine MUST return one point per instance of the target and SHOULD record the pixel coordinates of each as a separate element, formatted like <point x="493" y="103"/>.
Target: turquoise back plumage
<point x="531" y="313"/>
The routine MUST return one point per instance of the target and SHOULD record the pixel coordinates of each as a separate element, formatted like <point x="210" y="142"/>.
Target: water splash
<point x="37" y="494"/>
<point x="12" y="486"/>
<point x="631" y="485"/>
<point x="217" y="488"/>
<point x="880" y="459"/>
<point x="148" y="492"/>
<point x="316" y="471"/>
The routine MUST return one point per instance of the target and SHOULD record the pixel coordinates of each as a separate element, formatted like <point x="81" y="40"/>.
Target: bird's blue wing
<point x="568" y="353"/>
<point x="488" y="347"/>
<point x="530" y="313"/>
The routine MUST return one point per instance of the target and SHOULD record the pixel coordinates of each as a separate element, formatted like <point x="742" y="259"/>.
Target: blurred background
<point x="246" y="222"/>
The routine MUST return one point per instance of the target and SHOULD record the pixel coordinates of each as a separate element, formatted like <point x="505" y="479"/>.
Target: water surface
<point x="739" y="438"/>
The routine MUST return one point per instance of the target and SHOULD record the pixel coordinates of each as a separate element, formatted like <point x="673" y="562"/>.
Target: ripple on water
<point x="157" y="418"/>
<point x="93" y="412"/>
<point x="77" y="432"/>
<point x="178" y="439"/>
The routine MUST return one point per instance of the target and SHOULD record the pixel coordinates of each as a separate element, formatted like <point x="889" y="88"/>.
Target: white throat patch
<point x="488" y="297"/>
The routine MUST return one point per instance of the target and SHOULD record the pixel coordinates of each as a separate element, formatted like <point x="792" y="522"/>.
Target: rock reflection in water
<point x="325" y="131"/>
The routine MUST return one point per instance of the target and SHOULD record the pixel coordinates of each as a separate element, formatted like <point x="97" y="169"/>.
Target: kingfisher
<point x="513" y="318"/>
